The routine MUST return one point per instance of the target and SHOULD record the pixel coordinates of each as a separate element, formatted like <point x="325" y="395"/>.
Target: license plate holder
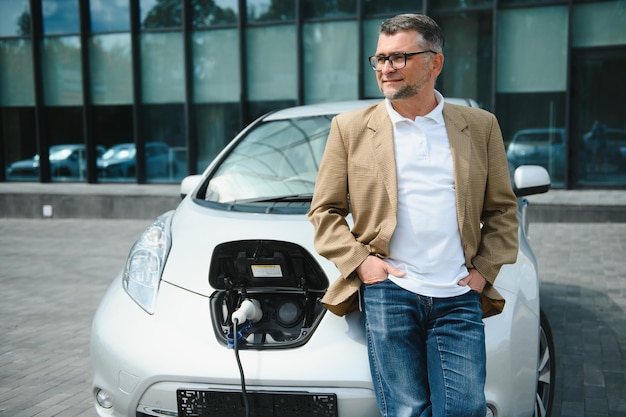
<point x="209" y="403"/>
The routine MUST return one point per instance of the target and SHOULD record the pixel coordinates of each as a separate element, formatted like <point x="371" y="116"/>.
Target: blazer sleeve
<point x="333" y="238"/>
<point x="499" y="232"/>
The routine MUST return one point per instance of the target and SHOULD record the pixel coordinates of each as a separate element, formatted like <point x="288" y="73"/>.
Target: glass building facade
<point x="149" y="91"/>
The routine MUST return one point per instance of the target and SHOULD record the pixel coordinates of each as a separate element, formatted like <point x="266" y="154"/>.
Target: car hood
<point x="25" y="163"/>
<point x="109" y="162"/>
<point x="197" y="230"/>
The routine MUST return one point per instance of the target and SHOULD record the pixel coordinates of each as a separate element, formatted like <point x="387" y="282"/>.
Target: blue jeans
<point x="427" y="355"/>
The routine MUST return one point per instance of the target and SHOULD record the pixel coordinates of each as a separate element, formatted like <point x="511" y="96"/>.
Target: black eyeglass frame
<point x="375" y="59"/>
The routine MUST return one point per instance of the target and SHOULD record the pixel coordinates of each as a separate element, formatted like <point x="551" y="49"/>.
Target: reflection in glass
<point x="522" y="2"/>
<point x="18" y="131"/>
<point x="390" y="6"/>
<point x="62" y="71"/>
<point x="107" y="15"/>
<point x="531" y="99"/>
<point x="539" y="146"/>
<point x="113" y="125"/>
<point x="165" y="149"/>
<point x="274" y="49"/>
<point x="216" y="66"/>
<point x="214" y="12"/>
<point x="277" y="158"/>
<point x="60" y="16"/>
<point x="216" y="125"/>
<point x="533" y="127"/>
<point x="526" y="28"/>
<point x="16" y="73"/>
<point x="467" y="72"/>
<point x="370" y="40"/>
<point x="270" y="10"/>
<point x="162" y="67"/>
<point x="168" y="13"/>
<point x="67" y="162"/>
<point x="461" y="4"/>
<point x="160" y="13"/>
<point x="317" y="9"/>
<point x="593" y="24"/>
<point x="331" y="63"/>
<point x="14" y="18"/>
<point x="66" y="135"/>
<point x="598" y="132"/>
<point x="111" y="75"/>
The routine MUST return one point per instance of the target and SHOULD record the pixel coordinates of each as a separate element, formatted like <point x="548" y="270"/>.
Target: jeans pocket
<point x="373" y="284"/>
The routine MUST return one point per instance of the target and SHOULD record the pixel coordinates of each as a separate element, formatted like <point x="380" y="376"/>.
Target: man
<point x="434" y="219"/>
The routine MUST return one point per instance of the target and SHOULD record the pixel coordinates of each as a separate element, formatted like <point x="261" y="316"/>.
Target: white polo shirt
<point x="426" y="243"/>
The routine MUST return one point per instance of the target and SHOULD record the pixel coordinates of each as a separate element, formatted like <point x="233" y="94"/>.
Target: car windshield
<point x="60" y="154"/>
<point x="276" y="159"/>
<point x="119" y="153"/>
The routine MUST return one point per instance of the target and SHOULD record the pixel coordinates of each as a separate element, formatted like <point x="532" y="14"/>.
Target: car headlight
<point x="146" y="260"/>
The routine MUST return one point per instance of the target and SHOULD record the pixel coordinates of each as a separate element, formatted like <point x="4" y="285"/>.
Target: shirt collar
<point x="435" y="115"/>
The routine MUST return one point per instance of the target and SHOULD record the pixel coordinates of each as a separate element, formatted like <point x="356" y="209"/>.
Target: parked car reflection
<point x="119" y="161"/>
<point x="602" y="150"/>
<point x="539" y="146"/>
<point x="66" y="161"/>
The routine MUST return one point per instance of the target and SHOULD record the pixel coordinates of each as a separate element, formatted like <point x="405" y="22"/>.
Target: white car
<point x="239" y="249"/>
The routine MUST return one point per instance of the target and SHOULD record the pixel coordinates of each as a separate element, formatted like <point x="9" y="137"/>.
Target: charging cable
<point x="248" y="310"/>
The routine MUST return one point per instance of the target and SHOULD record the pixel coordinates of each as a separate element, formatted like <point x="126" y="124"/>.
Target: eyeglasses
<point x="397" y="60"/>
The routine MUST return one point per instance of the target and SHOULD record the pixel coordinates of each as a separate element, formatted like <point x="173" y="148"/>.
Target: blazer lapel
<point x="460" y="146"/>
<point x="381" y="141"/>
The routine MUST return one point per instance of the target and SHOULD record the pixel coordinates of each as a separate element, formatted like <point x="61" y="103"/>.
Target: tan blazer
<point x="359" y="161"/>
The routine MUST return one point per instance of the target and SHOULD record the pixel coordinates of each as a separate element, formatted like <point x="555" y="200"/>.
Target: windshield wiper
<point x="293" y="198"/>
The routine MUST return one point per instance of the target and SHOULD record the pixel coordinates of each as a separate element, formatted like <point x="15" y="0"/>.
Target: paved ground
<point x="53" y="273"/>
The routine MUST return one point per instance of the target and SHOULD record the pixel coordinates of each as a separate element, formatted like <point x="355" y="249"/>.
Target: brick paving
<point x="53" y="273"/>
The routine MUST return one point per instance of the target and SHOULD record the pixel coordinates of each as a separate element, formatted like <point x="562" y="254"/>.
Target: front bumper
<point x="141" y="359"/>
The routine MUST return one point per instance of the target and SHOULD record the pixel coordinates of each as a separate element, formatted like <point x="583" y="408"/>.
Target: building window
<point x="62" y="71"/>
<point x="16" y="73"/>
<point x="312" y="9"/>
<point x="272" y="65"/>
<point x="467" y="72"/>
<point x="60" y="16"/>
<point x="217" y="89"/>
<point x="531" y="86"/>
<point x="214" y="13"/>
<point x="19" y="148"/>
<point x="373" y="7"/>
<point x="594" y="24"/>
<point x="330" y="57"/>
<point x="109" y="16"/>
<point x="259" y="11"/>
<point x="461" y="5"/>
<point x="111" y="69"/>
<point x="158" y="14"/>
<point x="14" y="18"/>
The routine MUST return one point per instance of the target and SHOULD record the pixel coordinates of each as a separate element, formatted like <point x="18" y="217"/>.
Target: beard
<point x="405" y="92"/>
<point x="409" y="90"/>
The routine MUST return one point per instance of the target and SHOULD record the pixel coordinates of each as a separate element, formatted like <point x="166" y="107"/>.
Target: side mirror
<point x="189" y="184"/>
<point x="530" y="179"/>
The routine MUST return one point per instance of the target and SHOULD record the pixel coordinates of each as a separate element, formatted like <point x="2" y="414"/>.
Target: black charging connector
<point x="244" y="392"/>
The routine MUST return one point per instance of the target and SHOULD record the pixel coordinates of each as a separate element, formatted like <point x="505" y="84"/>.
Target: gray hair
<point x="429" y="29"/>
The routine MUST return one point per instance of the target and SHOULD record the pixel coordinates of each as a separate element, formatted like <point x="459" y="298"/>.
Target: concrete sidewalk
<point x="133" y="201"/>
<point x="87" y="201"/>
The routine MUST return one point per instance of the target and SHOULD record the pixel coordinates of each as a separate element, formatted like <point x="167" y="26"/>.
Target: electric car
<point x="217" y="313"/>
